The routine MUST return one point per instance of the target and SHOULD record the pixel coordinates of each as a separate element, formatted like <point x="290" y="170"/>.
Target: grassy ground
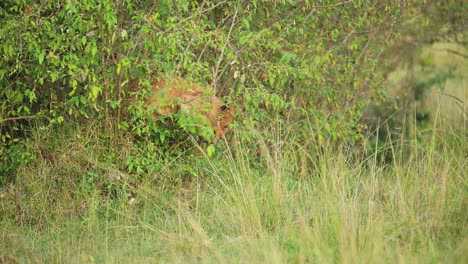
<point x="279" y="205"/>
<point x="76" y="201"/>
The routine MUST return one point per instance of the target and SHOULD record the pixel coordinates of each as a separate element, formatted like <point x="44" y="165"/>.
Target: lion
<point x="174" y="95"/>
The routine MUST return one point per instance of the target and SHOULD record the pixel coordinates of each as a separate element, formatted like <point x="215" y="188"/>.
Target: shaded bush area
<point x="425" y="78"/>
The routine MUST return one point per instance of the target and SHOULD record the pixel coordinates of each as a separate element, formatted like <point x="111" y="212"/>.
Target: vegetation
<point x="321" y="165"/>
<point x="234" y="209"/>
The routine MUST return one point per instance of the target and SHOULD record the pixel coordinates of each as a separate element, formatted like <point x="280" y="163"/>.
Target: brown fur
<point x="175" y="94"/>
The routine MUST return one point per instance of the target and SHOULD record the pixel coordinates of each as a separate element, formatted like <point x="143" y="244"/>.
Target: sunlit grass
<point x="267" y="206"/>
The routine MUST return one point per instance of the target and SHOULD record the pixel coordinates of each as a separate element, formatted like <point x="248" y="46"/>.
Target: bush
<point x="300" y="63"/>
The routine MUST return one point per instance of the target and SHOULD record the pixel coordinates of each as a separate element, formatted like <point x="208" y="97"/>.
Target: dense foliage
<point x="305" y="64"/>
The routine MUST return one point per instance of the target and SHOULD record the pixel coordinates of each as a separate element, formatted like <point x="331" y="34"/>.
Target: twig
<point x="453" y="52"/>
<point x="215" y="73"/>
<point x="17" y="118"/>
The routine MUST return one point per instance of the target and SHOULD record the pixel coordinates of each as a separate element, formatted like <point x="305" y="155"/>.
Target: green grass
<point x="280" y="204"/>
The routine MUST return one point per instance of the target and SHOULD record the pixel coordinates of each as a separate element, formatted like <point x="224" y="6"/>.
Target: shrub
<point x="300" y="63"/>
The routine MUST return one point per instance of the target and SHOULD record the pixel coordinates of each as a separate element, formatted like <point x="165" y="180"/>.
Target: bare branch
<point x="453" y="52"/>
<point x="17" y="118"/>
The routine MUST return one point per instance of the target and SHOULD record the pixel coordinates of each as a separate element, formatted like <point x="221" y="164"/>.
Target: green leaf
<point x="94" y="93"/>
<point x="41" y="58"/>
<point x="210" y="150"/>
<point x="93" y="50"/>
<point x="246" y="23"/>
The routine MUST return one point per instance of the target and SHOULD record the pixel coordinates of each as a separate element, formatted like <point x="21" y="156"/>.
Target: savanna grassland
<point x="348" y="143"/>
<point x="232" y="209"/>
